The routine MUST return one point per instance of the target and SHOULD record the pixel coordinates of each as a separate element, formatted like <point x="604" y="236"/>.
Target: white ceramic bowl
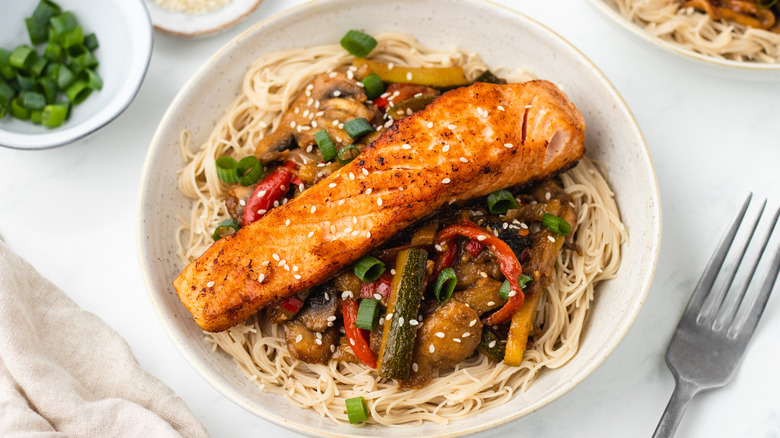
<point x="513" y="40"/>
<point x="191" y="25"/>
<point x="124" y="33"/>
<point x="723" y="67"/>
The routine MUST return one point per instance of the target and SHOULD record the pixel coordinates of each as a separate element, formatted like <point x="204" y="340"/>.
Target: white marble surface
<point x="71" y="213"/>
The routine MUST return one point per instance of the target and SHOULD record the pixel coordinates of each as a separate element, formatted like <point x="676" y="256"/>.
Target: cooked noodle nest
<point x="474" y="385"/>
<point x="669" y="20"/>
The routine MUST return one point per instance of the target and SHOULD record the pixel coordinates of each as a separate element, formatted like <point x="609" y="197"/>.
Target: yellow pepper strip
<point x="522" y="324"/>
<point x="440" y="77"/>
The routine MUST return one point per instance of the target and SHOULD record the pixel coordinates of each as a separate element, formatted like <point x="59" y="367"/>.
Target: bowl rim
<point x="207" y="373"/>
<point x="143" y="37"/>
<point x="205" y="26"/>
<point x="753" y="68"/>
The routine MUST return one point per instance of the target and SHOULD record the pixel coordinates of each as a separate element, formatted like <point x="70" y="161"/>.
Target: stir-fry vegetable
<point x="358" y="338"/>
<point x="440" y="77"/>
<point x="271" y="190"/>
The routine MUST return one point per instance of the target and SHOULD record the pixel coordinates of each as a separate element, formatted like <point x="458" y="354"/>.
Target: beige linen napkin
<point x="64" y="372"/>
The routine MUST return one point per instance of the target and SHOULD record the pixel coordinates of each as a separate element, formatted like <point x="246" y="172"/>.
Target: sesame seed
<point x="351" y="176"/>
<point x="332" y="185"/>
<point x="332" y="75"/>
<point x="413" y="322"/>
<point x="306" y="113"/>
<point x="318" y="341"/>
<point x="415" y="367"/>
<point x="390" y="66"/>
<point x="350" y="74"/>
<point x="431" y="348"/>
<point x="429" y="125"/>
<point x="465" y="335"/>
<point x="379" y="201"/>
<point x="401" y="321"/>
<point x="266" y="263"/>
<point x="276" y="203"/>
<point x="500" y="108"/>
<point x="456" y="340"/>
<point x="452" y="126"/>
<point x="369" y="190"/>
<point x="336" y="93"/>
<point x="287" y="222"/>
<point x="508" y="145"/>
<point x="551" y="238"/>
<point x="301" y="187"/>
<point x="347" y="230"/>
<point x="297" y="110"/>
<point x="351" y="342"/>
<point x="377" y="296"/>
<point x="333" y="229"/>
<point x="210" y="284"/>
<point x="464" y="160"/>
<point x="261" y="193"/>
<point x="483" y="274"/>
<point x="317" y="104"/>
<point x="354" y="219"/>
<point x="445" y="181"/>
<point x="311" y="233"/>
<point x="355" y="233"/>
<point x="406" y="146"/>
<point x="523" y="225"/>
<point x="242" y="202"/>
<point x="342" y="201"/>
<point x="409" y="76"/>
<point x="445" y="148"/>
<point x="389" y="316"/>
<point x="505" y="225"/>
<point x="491" y="303"/>
<point x="365" y="171"/>
<point x="381" y="321"/>
<point x="313" y="209"/>
<point x="547" y="196"/>
<point x="440" y="334"/>
<point x="298" y="338"/>
<point x="512" y="293"/>
<point x="260" y="278"/>
<point x="282" y="262"/>
<point x="296" y="276"/>
<point x="276" y="257"/>
<point x="368" y="234"/>
<point x="332" y="347"/>
<point x="292" y="124"/>
<point x="473" y="321"/>
<point x="331" y="318"/>
<point x="295" y="268"/>
<point x="327" y="298"/>
<point x="438" y="247"/>
<point x="392" y="271"/>
<point x="313" y="123"/>
<point x="481" y="237"/>
<point x="335" y="123"/>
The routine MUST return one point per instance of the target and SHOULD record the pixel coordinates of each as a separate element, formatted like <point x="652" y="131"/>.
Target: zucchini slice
<point x="395" y="353"/>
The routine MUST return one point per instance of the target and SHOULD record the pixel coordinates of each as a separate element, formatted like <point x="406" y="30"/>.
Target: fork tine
<point x="757" y="309"/>
<point x="707" y="279"/>
<point x="731" y="309"/>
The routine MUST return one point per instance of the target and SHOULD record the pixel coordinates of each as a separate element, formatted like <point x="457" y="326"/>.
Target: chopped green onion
<point x="18" y="110"/>
<point x="49" y="88"/>
<point x="32" y="100"/>
<point x="344" y="150"/>
<point x="54" y="115"/>
<point x="222" y="229"/>
<point x="7" y="93"/>
<point x="87" y="60"/>
<point x="94" y="81"/>
<point x="53" y="51"/>
<point x="73" y="38"/>
<point x="556" y="224"/>
<point x="22" y="57"/>
<point x="91" y="42"/>
<point x="357" y="43"/>
<point x="65" y="77"/>
<point x="5" y="66"/>
<point x="369" y="269"/>
<point x="373" y="86"/>
<point x="78" y="91"/>
<point x="37" y="30"/>
<point x="327" y="148"/>
<point x="75" y="51"/>
<point x="38" y="66"/>
<point x="505" y="289"/>
<point x="357" y="127"/>
<point x="445" y="284"/>
<point x="357" y="410"/>
<point x="523" y="280"/>
<point x="63" y="23"/>
<point x="226" y="169"/>
<point x="501" y="201"/>
<point x="36" y="117"/>
<point x="249" y="170"/>
<point x="45" y="10"/>
<point x="25" y="82"/>
<point x="368" y="314"/>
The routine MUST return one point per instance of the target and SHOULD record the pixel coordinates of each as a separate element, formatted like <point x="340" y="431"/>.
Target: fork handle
<point x="684" y="390"/>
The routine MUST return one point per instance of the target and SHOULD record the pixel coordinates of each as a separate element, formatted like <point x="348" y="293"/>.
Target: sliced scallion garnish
<point x="22" y="57"/>
<point x="54" y="115"/>
<point x="357" y="43"/>
<point x="357" y="127"/>
<point x="344" y="150"/>
<point x="373" y="86"/>
<point x="556" y="224"/>
<point x="78" y="91"/>
<point x="523" y="280"/>
<point x="226" y="169"/>
<point x="445" y="284"/>
<point x="506" y="288"/>
<point x="249" y="170"/>
<point x="368" y="313"/>
<point x="327" y="148"/>
<point x="369" y="269"/>
<point x="501" y="201"/>
<point x="357" y="410"/>
<point x="33" y="101"/>
<point x="222" y="229"/>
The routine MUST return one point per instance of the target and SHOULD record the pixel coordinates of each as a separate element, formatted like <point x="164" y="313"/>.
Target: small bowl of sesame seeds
<point x="192" y="18"/>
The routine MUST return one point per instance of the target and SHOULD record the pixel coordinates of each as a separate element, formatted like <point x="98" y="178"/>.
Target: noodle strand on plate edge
<point x="257" y="345"/>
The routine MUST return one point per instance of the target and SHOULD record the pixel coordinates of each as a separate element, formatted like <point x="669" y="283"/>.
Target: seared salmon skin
<point x="468" y="143"/>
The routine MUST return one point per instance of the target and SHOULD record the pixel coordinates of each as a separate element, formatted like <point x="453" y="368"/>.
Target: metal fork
<point x="716" y="326"/>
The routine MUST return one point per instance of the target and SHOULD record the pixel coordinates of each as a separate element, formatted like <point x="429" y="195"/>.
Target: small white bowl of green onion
<point x="68" y="67"/>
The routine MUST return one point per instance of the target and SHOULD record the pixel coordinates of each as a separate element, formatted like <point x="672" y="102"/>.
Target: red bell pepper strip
<point x="446" y="259"/>
<point x="292" y="304"/>
<point x="272" y="189"/>
<point x="474" y="248"/>
<point x="507" y="262"/>
<point x="358" y="338"/>
<point x="380" y="286"/>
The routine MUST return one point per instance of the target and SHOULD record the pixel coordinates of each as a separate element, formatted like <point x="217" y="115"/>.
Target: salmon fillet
<point x="468" y="143"/>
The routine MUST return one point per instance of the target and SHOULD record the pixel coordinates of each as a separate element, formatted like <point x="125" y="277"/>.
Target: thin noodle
<point x="476" y="384"/>
<point x="695" y="30"/>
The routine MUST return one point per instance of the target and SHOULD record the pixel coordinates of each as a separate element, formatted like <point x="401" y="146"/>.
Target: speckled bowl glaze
<point x="512" y="41"/>
<point x="124" y="32"/>
<point x="723" y="67"/>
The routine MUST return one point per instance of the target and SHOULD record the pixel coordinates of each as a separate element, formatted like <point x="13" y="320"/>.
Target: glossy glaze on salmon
<point x="468" y="143"/>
